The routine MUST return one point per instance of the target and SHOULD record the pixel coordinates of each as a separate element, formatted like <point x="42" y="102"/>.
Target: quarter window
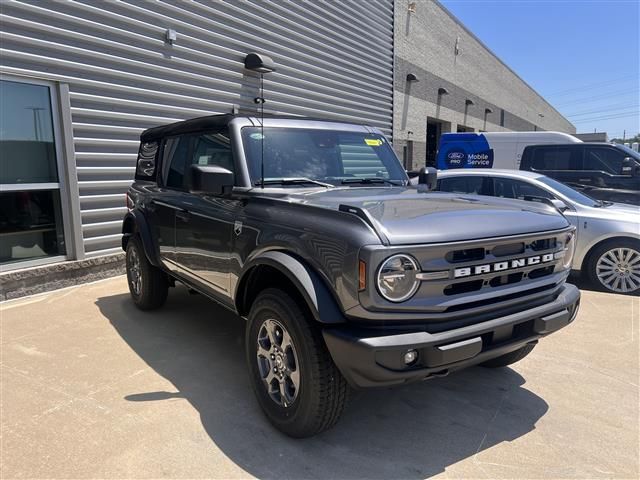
<point x="146" y="166"/>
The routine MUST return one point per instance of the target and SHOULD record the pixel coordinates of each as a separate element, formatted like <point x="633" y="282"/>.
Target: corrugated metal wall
<point x="334" y="59"/>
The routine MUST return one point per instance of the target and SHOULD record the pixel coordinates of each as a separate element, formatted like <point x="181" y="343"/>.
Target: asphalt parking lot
<point x="93" y="388"/>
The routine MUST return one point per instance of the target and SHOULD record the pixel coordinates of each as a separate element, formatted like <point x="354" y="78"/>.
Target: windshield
<point x="628" y="152"/>
<point x="569" y="192"/>
<point x="328" y="156"/>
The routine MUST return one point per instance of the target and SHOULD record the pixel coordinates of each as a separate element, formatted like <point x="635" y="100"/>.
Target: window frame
<point x="60" y="115"/>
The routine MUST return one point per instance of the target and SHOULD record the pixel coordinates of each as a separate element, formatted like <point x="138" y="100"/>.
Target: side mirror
<point x="559" y="205"/>
<point x="629" y="167"/>
<point x="210" y="179"/>
<point x="427" y="178"/>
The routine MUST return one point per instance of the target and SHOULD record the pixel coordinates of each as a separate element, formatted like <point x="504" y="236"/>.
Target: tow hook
<point x="441" y="373"/>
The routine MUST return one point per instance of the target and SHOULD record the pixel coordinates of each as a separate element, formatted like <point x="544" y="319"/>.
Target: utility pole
<point x="624" y="134"/>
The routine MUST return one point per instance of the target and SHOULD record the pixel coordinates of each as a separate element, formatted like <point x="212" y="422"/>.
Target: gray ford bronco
<point x="346" y="275"/>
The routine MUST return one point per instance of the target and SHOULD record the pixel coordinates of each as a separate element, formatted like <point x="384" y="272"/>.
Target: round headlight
<point x="396" y="278"/>
<point x="569" y="250"/>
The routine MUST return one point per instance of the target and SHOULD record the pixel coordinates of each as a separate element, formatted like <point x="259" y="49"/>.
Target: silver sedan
<point x="608" y="243"/>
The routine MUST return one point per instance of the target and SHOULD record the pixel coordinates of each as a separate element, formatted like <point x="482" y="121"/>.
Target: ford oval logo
<point x="455" y="156"/>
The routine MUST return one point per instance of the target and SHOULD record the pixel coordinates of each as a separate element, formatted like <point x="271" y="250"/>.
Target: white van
<point x="492" y="149"/>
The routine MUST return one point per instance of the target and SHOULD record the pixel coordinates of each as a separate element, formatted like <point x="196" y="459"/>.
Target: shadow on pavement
<point x="409" y="432"/>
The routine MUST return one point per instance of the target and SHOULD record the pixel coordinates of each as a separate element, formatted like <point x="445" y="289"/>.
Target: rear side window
<point x="146" y="164"/>
<point x="545" y="159"/>
<point x="469" y="185"/>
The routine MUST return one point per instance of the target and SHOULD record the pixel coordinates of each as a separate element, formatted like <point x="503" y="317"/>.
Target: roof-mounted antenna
<point x="261" y="64"/>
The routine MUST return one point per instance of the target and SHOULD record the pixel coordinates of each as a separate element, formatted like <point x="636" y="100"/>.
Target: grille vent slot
<point x="466" y="255"/>
<point x="509" y="249"/>
<point x="463" y="287"/>
<point x="541" y="272"/>
<point x="543" y="244"/>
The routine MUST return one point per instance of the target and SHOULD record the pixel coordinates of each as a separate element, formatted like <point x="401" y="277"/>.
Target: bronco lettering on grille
<point x="502" y="266"/>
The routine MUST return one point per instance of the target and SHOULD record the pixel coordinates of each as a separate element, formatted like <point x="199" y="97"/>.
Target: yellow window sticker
<point x="373" y="142"/>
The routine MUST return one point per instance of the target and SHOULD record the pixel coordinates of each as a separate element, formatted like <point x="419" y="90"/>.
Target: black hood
<point x="406" y="217"/>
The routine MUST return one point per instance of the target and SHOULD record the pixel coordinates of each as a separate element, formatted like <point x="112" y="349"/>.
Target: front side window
<point x="549" y="159"/>
<point x="517" y="189"/>
<point x="174" y="160"/>
<point x="213" y="149"/>
<point x="210" y="148"/>
<point x="603" y="159"/>
<point x="31" y="225"/>
<point x="330" y="156"/>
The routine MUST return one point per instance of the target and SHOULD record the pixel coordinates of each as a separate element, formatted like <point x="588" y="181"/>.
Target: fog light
<point x="410" y="357"/>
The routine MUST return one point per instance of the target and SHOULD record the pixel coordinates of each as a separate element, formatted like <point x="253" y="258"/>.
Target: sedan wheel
<point x="618" y="269"/>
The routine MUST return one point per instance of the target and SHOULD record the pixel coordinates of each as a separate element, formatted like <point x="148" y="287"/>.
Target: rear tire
<point x="297" y="385"/>
<point x="509" y="358"/>
<point x="148" y="285"/>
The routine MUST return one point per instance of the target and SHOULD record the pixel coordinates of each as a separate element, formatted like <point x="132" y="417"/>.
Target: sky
<point x="582" y="56"/>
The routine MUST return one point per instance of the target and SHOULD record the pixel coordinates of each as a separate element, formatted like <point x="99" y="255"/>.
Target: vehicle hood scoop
<point x="402" y="216"/>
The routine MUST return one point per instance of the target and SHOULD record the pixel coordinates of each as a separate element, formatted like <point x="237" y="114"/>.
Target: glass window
<point x="26" y="137"/>
<point x="324" y="155"/>
<point x="30" y="225"/>
<point x="463" y="184"/>
<point x="568" y="192"/>
<point x="174" y="160"/>
<point x="551" y="159"/>
<point x="213" y="149"/>
<point x="146" y="166"/>
<point x="517" y="189"/>
<point x="603" y="159"/>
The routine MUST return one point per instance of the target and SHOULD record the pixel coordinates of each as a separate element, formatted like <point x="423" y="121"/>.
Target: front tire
<point x="148" y="285"/>
<point x="297" y="385"/>
<point x="615" y="267"/>
<point x="509" y="358"/>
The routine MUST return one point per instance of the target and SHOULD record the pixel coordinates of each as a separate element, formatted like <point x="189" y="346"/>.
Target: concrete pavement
<point x="93" y="388"/>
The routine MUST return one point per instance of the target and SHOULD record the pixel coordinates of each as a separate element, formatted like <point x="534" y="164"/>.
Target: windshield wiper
<point x="292" y="181"/>
<point x="603" y="203"/>
<point x="369" y="181"/>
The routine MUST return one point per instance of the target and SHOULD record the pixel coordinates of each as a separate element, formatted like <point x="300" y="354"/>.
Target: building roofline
<point x="475" y="37"/>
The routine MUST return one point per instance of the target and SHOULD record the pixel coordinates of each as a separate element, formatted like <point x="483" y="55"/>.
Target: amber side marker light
<point x="362" y="276"/>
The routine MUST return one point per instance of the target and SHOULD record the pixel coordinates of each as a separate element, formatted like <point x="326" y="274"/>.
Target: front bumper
<point x="368" y="358"/>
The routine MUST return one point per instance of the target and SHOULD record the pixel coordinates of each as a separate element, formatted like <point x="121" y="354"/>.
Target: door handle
<point x="183" y="215"/>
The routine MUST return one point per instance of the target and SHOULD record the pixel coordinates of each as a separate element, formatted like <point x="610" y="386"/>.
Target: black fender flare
<point x="312" y="288"/>
<point x="134" y="222"/>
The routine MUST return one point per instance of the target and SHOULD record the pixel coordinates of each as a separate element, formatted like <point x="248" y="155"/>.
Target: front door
<point x="205" y="226"/>
<point x="602" y="168"/>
